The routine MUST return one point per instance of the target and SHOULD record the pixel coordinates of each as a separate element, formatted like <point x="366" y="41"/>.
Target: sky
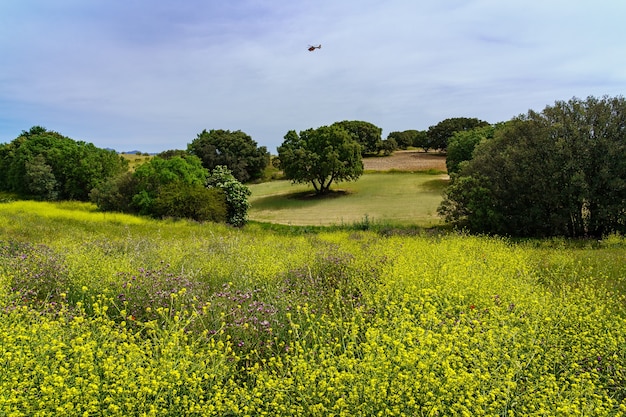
<point x="150" y="75"/>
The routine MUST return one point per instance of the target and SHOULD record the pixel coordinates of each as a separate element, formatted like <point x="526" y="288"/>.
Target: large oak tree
<point x="320" y="156"/>
<point x="368" y="135"/>
<point x="235" y="150"/>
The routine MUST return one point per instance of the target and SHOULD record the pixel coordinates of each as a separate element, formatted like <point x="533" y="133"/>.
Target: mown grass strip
<point x="397" y="198"/>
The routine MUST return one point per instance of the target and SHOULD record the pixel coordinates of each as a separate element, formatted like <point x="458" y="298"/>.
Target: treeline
<point x="46" y="165"/>
<point x="435" y="137"/>
<point x="558" y="172"/>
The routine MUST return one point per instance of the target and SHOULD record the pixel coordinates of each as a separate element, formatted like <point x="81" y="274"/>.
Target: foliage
<point x="164" y="187"/>
<point x="560" y="172"/>
<point x="310" y="324"/>
<point x="171" y="153"/>
<point x="177" y="186"/>
<point x="191" y="201"/>
<point x="421" y="140"/>
<point x="366" y="134"/>
<point x="467" y="203"/>
<point x="405" y="138"/>
<point x="235" y="150"/>
<point x="40" y="179"/>
<point x="462" y="143"/>
<point x="236" y="195"/>
<point x="116" y="193"/>
<point x="320" y="156"/>
<point x="47" y="165"/>
<point x="388" y="146"/>
<point x="439" y="134"/>
<point x="158" y="172"/>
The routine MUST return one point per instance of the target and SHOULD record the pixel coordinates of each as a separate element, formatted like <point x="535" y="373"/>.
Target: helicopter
<point x="313" y="48"/>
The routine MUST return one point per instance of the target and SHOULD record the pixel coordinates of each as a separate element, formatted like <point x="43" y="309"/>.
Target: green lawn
<point x="397" y="197"/>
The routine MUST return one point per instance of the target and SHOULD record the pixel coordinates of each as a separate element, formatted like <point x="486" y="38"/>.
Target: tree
<point x="405" y="138"/>
<point x="368" y="135"/>
<point x="320" y="156"/>
<point x="235" y="192"/>
<point x="462" y="143"/>
<point x="40" y="179"/>
<point x="389" y="145"/>
<point x="439" y="134"/>
<point x="172" y="153"/>
<point x="421" y="140"/>
<point x="468" y="203"/>
<point x="561" y="172"/>
<point x="517" y="172"/>
<point x="235" y="150"/>
<point x="31" y="161"/>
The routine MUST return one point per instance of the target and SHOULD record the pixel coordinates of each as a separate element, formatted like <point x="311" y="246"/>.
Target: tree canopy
<point x="235" y="150"/>
<point x="462" y="143"/>
<point x="439" y="134"/>
<point x="320" y="156"/>
<point x="47" y="165"/>
<point x="368" y="135"/>
<point x="404" y="138"/>
<point x="421" y="140"/>
<point x="152" y="176"/>
<point x="561" y="172"/>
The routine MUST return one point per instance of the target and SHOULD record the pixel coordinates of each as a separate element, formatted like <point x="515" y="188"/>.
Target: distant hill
<point x="135" y="152"/>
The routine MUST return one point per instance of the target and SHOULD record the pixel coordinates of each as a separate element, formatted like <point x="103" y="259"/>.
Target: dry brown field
<point x="409" y="160"/>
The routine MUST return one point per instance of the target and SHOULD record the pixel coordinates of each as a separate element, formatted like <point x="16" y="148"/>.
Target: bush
<point x="115" y="194"/>
<point x="171" y="187"/>
<point x="179" y="200"/>
<point x="236" y="194"/>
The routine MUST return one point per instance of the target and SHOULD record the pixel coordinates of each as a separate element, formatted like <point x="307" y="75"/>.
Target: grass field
<point x="135" y="160"/>
<point x="398" y="197"/>
<point x="117" y="315"/>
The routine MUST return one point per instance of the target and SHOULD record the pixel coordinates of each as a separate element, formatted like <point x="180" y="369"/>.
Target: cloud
<point x="151" y="75"/>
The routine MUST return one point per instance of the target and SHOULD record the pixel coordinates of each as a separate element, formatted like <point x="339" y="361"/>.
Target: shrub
<point x="191" y="201"/>
<point x="236" y="194"/>
<point x="115" y="194"/>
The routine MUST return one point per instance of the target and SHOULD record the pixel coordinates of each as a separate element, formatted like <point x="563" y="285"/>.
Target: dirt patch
<point x="407" y="161"/>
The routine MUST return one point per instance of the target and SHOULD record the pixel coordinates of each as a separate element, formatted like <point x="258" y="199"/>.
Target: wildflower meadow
<point x="113" y="315"/>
